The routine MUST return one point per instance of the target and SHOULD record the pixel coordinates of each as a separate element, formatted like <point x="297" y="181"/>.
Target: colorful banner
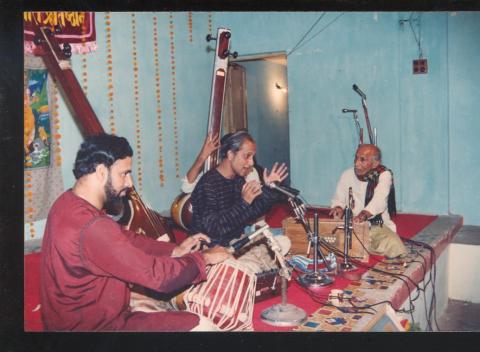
<point x="76" y="28"/>
<point x="36" y="119"/>
<point x="43" y="181"/>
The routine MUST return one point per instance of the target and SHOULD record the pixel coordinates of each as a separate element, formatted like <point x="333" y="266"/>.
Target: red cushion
<point x="31" y="282"/>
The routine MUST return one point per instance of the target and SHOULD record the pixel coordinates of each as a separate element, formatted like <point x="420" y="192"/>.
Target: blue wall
<point x="267" y="108"/>
<point x="464" y="118"/>
<point x="427" y="125"/>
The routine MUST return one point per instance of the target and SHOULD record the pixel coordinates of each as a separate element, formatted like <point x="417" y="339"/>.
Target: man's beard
<point x="113" y="198"/>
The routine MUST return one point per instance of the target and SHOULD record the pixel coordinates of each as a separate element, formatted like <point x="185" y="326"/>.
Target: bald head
<point x="367" y="157"/>
<point x="371" y="149"/>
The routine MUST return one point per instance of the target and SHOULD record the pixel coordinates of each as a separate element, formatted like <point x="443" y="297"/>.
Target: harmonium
<point x="331" y="231"/>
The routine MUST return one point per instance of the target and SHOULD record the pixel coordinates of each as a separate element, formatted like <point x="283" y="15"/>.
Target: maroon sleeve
<point x="149" y="245"/>
<point x="105" y="250"/>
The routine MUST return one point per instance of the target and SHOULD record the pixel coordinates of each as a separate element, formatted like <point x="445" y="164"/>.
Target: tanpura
<point x="181" y="209"/>
<point x="133" y="213"/>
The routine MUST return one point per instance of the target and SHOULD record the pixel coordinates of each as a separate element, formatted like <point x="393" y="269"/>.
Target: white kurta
<point x="379" y="202"/>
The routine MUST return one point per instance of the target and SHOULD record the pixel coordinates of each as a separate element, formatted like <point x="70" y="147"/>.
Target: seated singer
<point x="373" y="198"/>
<point x="89" y="261"/>
<point x="211" y="144"/>
<point x="224" y="202"/>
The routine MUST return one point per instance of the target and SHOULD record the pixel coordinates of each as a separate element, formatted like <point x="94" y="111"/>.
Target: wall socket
<point x="420" y="66"/>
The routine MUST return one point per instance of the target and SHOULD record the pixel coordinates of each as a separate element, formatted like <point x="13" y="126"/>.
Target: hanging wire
<point x="418" y="39"/>
<point x="320" y="31"/>
<point x="306" y="33"/>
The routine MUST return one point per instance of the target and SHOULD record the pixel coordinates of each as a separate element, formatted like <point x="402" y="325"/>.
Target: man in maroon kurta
<point x="88" y="260"/>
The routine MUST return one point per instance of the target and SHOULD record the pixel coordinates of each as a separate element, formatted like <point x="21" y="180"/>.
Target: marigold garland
<point x="157" y="96"/>
<point x="210" y="23"/>
<point x="190" y="26"/>
<point x="109" y="62"/>
<point x="84" y="62"/>
<point x="137" y="103"/>
<point x="56" y="137"/>
<point x="28" y="193"/>
<point x="29" y="197"/>
<point x="174" y="95"/>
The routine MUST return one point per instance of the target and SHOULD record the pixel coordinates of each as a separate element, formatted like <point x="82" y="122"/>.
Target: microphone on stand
<point x="346" y="266"/>
<point x="242" y="242"/>
<point x="288" y="191"/>
<point x="359" y="92"/>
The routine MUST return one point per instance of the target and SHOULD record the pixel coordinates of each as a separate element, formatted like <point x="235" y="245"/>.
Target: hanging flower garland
<point x="190" y="26"/>
<point x="157" y="96"/>
<point x="137" y="103"/>
<point x="108" y="40"/>
<point x="29" y="197"/>
<point x="174" y="95"/>
<point x="27" y="174"/>
<point x="56" y="121"/>
<point x="84" y="61"/>
<point x="27" y="181"/>
<point x="210" y="23"/>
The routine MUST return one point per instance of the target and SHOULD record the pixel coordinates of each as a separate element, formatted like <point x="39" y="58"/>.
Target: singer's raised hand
<point x="211" y="143"/>
<point x="278" y="174"/>
<point x="251" y="190"/>
<point x="190" y="244"/>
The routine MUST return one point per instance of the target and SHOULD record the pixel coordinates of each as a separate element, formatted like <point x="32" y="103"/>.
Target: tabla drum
<point x="226" y="298"/>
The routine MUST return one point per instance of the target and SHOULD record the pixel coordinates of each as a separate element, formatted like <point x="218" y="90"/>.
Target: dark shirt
<point x="219" y="209"/>
<point x="88" y="261"/>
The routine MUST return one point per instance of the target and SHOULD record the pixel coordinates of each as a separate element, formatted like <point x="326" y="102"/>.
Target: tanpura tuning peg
<point x="228" y="35"/>
<point x="228" y="53"/>
<point x="209" y="37"/>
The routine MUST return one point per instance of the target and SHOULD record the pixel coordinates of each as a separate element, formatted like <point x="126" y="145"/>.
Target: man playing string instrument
<point x="89" y="261"/>
<point x="374" y="200"/>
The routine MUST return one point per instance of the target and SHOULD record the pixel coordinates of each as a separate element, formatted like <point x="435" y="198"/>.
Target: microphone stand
<point x="359" y="129"/>
<point x="357" y="124"/>
<point x="347" y="228"/>
<point x="316" y="278"/>
<point x="372" y="138"/>
<point x="282" y="314"/>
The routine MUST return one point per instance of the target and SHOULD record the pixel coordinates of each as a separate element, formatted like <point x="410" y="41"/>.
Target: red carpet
<point x="407" y="226"/>
<point x="31" y="282"/>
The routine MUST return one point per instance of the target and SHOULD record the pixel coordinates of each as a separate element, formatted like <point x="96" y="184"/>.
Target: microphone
<point x="349" y="110"/>
<point x="240" y="243"/>
<point x="289" y="192"/>
<point x="356" y="89"/>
